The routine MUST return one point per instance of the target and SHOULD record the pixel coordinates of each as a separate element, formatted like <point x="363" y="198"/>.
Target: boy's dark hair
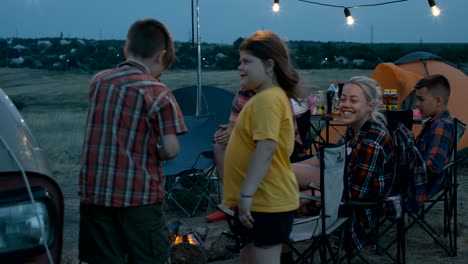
<point x="147" y="37"/>
<point x="436" y="84"/>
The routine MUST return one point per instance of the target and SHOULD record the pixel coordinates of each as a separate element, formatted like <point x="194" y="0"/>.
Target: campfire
<point x="190" y="238"/>
<point x="186" y="246"/>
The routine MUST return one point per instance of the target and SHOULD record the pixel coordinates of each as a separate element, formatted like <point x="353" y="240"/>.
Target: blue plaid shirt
<point x="435" y="142"/>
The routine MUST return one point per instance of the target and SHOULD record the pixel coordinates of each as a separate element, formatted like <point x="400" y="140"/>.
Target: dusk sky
<point x="223" y="21"/>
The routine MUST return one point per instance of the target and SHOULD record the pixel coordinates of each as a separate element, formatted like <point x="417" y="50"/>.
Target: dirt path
<point x="420" y="248"/>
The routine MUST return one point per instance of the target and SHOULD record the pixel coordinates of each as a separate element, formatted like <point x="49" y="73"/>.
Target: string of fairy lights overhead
<point x="349" y="18"/>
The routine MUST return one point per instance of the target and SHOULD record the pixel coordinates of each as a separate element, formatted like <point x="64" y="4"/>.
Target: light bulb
<point x="349" y="18"/>
<point x="435" y="10"/>
<point x="276" y="7"/>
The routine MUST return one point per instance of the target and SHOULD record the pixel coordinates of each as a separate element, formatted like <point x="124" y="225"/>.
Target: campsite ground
<point x="420" y="248"/>
<point x="53" y="104"/>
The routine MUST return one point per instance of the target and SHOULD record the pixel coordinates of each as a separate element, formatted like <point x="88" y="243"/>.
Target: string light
<point x="276" y="6"/>
<point x="349" y="17"/>
<point x="434" y="8"/>
<point x="375" y="4"/>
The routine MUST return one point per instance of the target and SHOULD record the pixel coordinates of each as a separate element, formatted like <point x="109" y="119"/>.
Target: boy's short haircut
<point x="147" y="37"/>
<point x="436" y="84"/>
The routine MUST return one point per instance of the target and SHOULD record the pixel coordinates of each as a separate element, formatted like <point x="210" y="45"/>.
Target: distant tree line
<point x="93" y="55"/>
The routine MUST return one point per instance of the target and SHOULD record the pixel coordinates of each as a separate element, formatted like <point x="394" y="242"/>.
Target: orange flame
<point x="192" y="240"/>
<point x="178" y="239"/>
<point x="189" y="238"/>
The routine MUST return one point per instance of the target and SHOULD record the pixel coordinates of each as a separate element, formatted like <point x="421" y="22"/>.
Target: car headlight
<point x="21" y="223"/>
<point x="20" y="227"/>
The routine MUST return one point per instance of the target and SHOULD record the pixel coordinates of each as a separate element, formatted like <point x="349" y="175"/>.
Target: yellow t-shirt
<point x="267" y="115"/>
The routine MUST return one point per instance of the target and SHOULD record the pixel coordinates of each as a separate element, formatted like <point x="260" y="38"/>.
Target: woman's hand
<point x="222" y="135"/>
<point x="244" y="211"/>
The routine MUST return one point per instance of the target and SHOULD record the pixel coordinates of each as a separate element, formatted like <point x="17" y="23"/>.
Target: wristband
<point x="245" y="196"/>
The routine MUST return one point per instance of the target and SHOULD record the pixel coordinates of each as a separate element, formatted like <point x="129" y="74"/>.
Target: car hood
<point x="17" y="146"/>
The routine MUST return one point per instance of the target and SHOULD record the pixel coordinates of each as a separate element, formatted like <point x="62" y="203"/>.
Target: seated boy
<point x="435" y="142"/>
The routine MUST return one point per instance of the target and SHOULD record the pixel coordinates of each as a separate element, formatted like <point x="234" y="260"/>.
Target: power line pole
<point x="199" y="77"/>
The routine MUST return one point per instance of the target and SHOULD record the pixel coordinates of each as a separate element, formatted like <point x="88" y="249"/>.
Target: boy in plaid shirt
<point x="132" y="126"/>
<point x="435" y="142"/>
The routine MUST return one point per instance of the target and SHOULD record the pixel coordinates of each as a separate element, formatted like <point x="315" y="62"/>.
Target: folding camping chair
<point x="315" y="228"/>
<point x="193" y="168"/>
<point x="448" y="197"/>
<point x="399" y="124"/>
<point x="318" y="229"/>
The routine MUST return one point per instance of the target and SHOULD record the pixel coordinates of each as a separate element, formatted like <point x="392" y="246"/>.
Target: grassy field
<point x="54" y="107"/>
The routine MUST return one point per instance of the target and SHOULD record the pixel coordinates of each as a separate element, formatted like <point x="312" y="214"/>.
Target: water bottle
<point x="320" y="104"/>
<point x="340" y="88"/>
<point x="336" y="105"/>
<point x="312" y="101"/>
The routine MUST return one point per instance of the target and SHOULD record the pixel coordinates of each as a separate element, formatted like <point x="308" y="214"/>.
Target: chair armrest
<point x="225" y="209"/>
<point x="313" y="187"/>
<point x="309" y="197"/>
<point x="358" y="203"/>
<point x="208" y="154"/>
<point x="449" y="165"/>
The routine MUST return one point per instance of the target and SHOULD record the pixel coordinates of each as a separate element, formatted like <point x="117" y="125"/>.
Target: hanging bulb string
<point x="434" y="9"/>
<point x="349" y="18"/>
<point x="355" y="6"/>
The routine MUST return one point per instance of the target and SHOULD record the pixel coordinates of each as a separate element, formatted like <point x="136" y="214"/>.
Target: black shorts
<point x="123" y="235"/>
<point x="269" y="229"/>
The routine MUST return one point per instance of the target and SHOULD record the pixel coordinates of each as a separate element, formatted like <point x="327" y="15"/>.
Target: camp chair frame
<point x="375" y="235"/>
<point x="398" y="188"/>
<point x="447" y="196"/>
<point x="394" y="197"/>
<point x="316" y="133"/>
<point x="194" y="167"/>
<point x="318" y="229"/>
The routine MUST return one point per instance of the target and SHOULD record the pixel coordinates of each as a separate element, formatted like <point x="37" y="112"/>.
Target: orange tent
<point x="405" y="72"/>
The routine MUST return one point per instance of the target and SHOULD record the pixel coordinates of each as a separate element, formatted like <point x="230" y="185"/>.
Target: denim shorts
<point x="269" y="229"/>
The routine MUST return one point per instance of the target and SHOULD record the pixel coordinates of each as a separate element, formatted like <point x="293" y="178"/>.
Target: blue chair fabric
<point x="194" y="166"/>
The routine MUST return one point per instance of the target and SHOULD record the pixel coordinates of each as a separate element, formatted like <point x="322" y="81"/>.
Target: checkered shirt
<point x="435" y="142"/>
<point x="129" y="110"/>
<point x="368" y="177"/>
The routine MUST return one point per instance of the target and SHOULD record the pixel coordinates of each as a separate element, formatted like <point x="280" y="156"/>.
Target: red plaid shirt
<point x="128" y="112"/>
<point x="369" y="175"/>
<point x="242" y="97"/>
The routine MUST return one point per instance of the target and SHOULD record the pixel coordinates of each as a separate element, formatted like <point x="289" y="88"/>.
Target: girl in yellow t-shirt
<point x="258" y="178"/>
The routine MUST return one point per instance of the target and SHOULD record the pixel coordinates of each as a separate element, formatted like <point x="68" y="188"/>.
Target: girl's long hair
<point x="265" y="45"/>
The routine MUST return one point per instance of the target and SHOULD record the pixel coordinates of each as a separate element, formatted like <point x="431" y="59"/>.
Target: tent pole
<point x="199" y="86"/>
